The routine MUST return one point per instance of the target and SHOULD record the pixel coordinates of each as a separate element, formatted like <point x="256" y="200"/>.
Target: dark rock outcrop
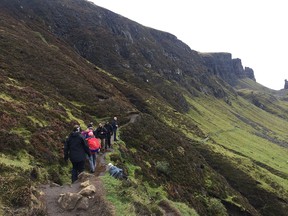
<point x="230" y="70"/>
<point x="249" y="73"/>
<point x="286" y="84"/>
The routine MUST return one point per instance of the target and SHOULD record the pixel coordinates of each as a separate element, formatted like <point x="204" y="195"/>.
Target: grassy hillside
<point x="197" y="147"/>
<point x="249" y="134"/>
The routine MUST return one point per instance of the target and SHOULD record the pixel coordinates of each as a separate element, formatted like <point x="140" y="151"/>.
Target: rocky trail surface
<point x="85" y="197"/>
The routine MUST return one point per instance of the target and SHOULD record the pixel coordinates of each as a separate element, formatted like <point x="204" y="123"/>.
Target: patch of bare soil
<point x="133" y="118"/>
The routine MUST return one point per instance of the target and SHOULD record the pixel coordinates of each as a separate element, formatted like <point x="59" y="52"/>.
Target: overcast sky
<point x="254" y="31"/>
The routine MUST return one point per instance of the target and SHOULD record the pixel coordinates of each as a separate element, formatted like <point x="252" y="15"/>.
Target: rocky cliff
<point x="134" y="50"/>
<point x="230" y="70"/>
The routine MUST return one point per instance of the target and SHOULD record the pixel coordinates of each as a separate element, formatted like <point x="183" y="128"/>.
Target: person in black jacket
<point x="109" y="129"/>
<point x="76" y="149"/>
<point x="115" y="127"/>
<point x="101" y="133"/>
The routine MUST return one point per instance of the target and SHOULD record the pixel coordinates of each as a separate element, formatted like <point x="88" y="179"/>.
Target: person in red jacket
<point x="94" y="146"/>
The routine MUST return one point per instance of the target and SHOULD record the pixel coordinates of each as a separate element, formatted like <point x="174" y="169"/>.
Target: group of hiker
<point x="85" y="144"/>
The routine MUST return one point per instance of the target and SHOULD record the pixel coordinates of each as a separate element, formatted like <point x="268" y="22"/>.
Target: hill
<point x="207" y="138"/>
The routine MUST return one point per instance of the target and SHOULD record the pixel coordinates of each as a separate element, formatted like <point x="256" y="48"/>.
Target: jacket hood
<point x="74" y="134"/>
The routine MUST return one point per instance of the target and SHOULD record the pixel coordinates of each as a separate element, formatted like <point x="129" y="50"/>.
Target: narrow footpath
<point x="93" y="204"/>
<point x="97" y="204"/>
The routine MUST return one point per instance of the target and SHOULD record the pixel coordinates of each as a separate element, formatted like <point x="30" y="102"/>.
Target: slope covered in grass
<point x="197" y="144"/>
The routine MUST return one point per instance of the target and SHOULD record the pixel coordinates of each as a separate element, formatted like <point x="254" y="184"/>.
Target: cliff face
<point x="129" y="49"/>
<point x="230" y="70"/>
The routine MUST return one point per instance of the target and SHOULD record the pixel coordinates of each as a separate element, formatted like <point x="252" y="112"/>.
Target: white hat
<point x="110" y="165"/>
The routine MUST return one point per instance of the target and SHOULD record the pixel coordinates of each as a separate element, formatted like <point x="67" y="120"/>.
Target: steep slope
<point x="135" y="53"/>
<point x="219" y="149"/>
<point x="45" y="89"/>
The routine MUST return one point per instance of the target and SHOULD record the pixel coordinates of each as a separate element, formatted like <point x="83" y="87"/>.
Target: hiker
<point x="100" y="133"/>
<point x="115" y="127"/>
<point x="90" y="125"/>
<point x="109" y="133"/>
<point x="116" y="172"/>
<point x="75" y="149"/>
<point x="89" y="128"/>
<point x="94" y="147"/>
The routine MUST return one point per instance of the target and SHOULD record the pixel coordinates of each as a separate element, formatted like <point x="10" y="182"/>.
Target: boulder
<point x="83" y="204"/>
<point x="85" y="184"/>
<point x="84" y="176"/>
<point x="87" y="191"/>
<point x="68" y="201"/>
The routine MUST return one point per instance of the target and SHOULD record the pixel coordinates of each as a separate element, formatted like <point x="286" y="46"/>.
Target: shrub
<point x="163" y="167"/>
<point x="216" y="208"/>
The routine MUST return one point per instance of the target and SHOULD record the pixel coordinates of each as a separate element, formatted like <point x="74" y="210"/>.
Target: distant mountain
<point x="206" y="133"/>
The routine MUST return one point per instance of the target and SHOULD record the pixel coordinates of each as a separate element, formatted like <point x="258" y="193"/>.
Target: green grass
<point x="1" y="208"/>
<point x="238" y="140"/>
<point x="121" y="204"/>
<point x="23" y="160"/>
<point x="184" y="209"/>
<point x="47" y="106"/>
<point x="39" y="35"/>
<point x="23" y="132"/>
<point x="71" y="117"/>
<point x="6" y="97"/>
<point x="224" y="127"/>
<point x="38" y="122"/>
<point x="123" y="197"/>
<point x="77" y="104"/>
<point x="230" y="199"/>
<point x="124" y="194"/>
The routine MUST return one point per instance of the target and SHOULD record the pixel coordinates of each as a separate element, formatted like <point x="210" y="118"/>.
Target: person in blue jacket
<point x="116" y="172"/>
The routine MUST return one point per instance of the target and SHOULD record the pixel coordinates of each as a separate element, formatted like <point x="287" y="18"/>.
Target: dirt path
<point x="98" y="204"/>
<point x="133" y="118"/>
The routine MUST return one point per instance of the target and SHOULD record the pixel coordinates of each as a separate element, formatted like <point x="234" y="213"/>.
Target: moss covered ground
<point x="136" y="196"/>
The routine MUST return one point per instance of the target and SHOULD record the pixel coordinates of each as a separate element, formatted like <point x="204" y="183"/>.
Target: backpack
<point x="93" y="144"/>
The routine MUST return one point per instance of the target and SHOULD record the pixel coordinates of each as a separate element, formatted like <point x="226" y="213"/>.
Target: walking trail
<point x="98" y="205"/>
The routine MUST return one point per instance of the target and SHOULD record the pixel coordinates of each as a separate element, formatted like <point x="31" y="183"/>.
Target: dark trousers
<point x="108" y="141"/>
<point x="114" y="133"/>
<point x="77" y="168"/>
<point x="102" y="141"/>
